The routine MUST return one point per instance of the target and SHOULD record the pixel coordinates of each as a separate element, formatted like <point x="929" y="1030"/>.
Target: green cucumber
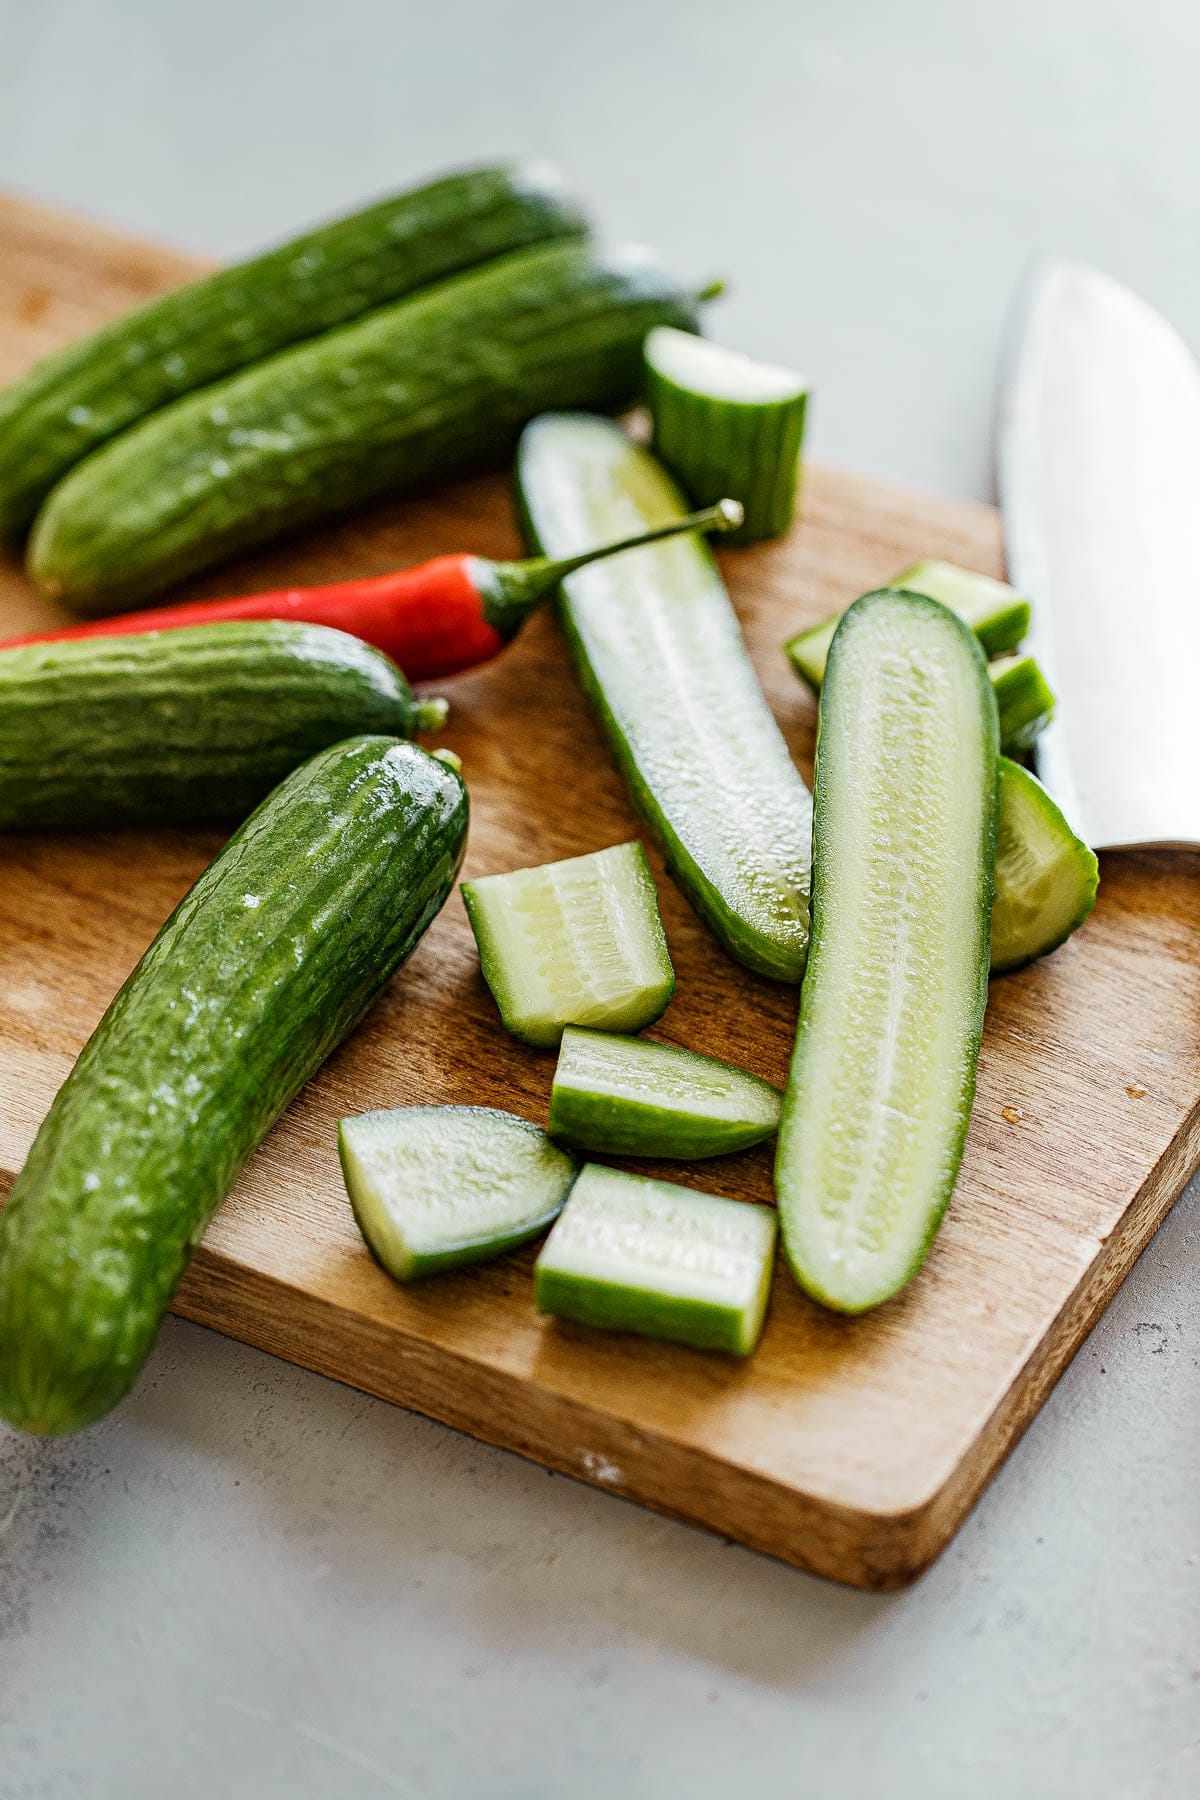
<point x="1024" y="699"/>
<point x="577" y="942"/>
<point x="77" y="399"/>
<point x="411" y="393"/>
<point x="434" y="1187"/>
<point x="624" y="1096"/>
<point x="725" y="425"/>
<point x="628" y="1254"/>
<point x="891" y="1012"/>
<point x="196" y="724"/>
<point x="1046" y="878"/>
<point x="266" y="964"/>
<point x="660" y="654"/>
<point x="995" y="612"/>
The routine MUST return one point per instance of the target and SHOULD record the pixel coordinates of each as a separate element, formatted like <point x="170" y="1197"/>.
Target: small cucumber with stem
<point x="661" y="656"/>
<point x="625" y="1096"/>
<point x="724" y="424"/>
<point x="996" y="613"/>
<point x="629" y="1254"/>
<point x="435" y="1187"/>
<point x="1046" y="877"/>
<point x="891" y="1013"/>
<point x="577" y="942"/>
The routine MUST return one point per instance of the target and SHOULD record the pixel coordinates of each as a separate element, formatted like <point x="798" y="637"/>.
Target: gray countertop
<point x="251" y="1582"/>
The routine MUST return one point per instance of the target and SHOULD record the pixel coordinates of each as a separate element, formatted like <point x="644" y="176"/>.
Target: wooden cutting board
<point x="851" y="1447"/>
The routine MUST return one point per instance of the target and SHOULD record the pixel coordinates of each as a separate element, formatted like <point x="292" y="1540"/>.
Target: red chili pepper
<point x="432" y="620"/>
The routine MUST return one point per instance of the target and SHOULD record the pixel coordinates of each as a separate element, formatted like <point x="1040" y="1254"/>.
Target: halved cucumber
<point x="434" y="1187"/>
<point x="1024" y="700"/>
<point x="577" y="942"/>
<point x="660" y="653"/>
<point x="1046" y="878"/>
<point x="891" y="1012"/>
<point x="625" y="1096"/>
<point x="725" y="425"/>
<point x="995" y="612"/>
<point x="630" y="1254"/>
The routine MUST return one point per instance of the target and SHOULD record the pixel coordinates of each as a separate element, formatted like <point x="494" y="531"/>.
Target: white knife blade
<point x="1099" y="473"/>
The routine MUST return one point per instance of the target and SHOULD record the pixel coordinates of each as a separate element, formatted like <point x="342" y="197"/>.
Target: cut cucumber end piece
<point x="995" y="612"/>
<point x="1024" y="700"/>
<point x="891" y="1011"/>
<point x="628" y="1254"/>
<point x="624" y="1096"/>
<point x="434" y="1187"/>
<point x="1046" y="877"/>
<point x="578" y="942"/>
<point x="727" y="425"/>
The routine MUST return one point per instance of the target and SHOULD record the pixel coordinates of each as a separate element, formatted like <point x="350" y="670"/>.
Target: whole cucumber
<point x="271" y="958"/>
<point x="181" y="726"/>
<point x="416" y="391"/>
<point x="83" y="395"/>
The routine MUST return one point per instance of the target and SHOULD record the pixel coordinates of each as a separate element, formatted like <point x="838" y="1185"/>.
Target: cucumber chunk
<point x="1024" y="699"/>
<point x="1046" y="878"/>
<point x="727" y="426"/>
<point x="624" y="1096"/>
<point x="995" y="612"/>
<point x="577" y="942"/>
<point x="661" y="656"/>
<point x="891" y="1012"/>
<point x="629" y="1254"/>
<point x="434" y="1187"/>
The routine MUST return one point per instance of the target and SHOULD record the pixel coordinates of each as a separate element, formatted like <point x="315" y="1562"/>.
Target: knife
<point x="1098" y="463"/>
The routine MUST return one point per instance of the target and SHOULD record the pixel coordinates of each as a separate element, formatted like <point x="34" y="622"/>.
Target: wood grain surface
<point x="851" y="1447"/>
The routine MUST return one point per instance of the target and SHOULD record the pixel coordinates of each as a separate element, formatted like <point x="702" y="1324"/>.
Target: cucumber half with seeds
<point x="624" y="1096"/>
<point x="1046" y="878"/>
<point x="577" y="942"/>
<point x="725" y="425"/>
<point x="996" y="613"/>
<point x="434" y="1187"/>
<point x="661" y="656"/>
<point x="629" y="1254"/>
<point x="891" y="1012"/>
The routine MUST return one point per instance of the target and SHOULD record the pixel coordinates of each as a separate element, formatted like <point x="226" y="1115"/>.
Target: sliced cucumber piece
<point x="624" y="1096"/>
<point x="727" y="426"/>
<point x="577" y="942"/>
<point x="629" y="1254"/>
<point x="660" y="653"/>
<point x="891" y="1012"/>
<point x="1024" y="700"/>
<point x="1046" y="877"/>
<point x="433" y="1187"/>
<point x="995" y="612"/>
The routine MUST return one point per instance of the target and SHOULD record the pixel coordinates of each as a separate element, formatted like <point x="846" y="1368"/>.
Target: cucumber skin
<point x="616" y="1126"/>
<point x="229" y="1013"/>
<point x="181" y="726"/>
<point x="726" y="448"/>
<point x="780" y="961"/>
<point x="419" y="390"/>
<point x="205" y="331"/>
<point x="823" y="848"/>
<point x="604" y="1306"/>
<point x="1015" y="781"/>
<point x="1025" y="701"/>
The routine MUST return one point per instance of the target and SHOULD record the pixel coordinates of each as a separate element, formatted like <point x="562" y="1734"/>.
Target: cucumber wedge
<point x="661" y="656"/>
<point x="629" y="1254"/>
<point x="577" y="942"/>
<point x="624" y="1096"/>
<point x="995" y="612"/>
<point x="1046" y="878"/>
<point x="725" y="425"/>
<point x="891" y="1012"/>
<point x="1024" y="700"/>
<point x="434" y="1187"/>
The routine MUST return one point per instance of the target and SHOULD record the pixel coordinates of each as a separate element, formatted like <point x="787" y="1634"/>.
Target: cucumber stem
<point x="511" y="590"/>
<point x="431" y="714"/>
